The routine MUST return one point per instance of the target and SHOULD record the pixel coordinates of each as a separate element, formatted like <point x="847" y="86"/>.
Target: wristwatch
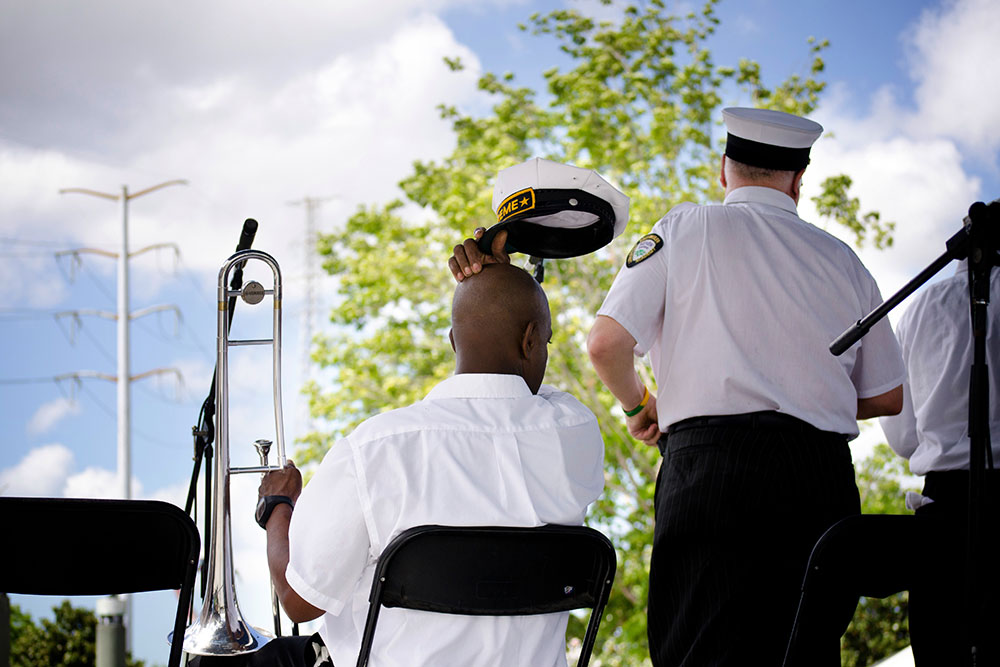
<point x="266" y="505"/>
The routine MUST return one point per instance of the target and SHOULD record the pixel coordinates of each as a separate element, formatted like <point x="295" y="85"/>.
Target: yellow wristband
<point x="636" y="410"/>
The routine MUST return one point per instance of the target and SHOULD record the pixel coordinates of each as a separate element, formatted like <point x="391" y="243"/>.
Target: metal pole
<point x="124" y="374"/>
<point x="124" y="385"/>
<point x="110" y="638"/>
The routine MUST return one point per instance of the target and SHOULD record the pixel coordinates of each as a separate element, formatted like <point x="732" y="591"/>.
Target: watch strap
<point x="270" y="502"/>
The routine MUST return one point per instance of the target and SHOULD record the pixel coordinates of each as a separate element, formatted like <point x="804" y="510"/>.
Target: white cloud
<point x="51" y="413"/>
<point x="953" y="60"/>
<point x="345" y="125"/>
<point x="42" y="472"/>
<point x="910" y="162"/>
<point x="921" y="185"/>
<point x="116" y="65"/>
<point x="50" y="471"/>
<point x="197" y="376"/>
<point x="175" y="494"/>
<point x="94" y="482"/>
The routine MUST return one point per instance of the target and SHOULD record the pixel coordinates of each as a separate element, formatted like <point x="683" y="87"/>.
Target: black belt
<point x="749" y="420"/>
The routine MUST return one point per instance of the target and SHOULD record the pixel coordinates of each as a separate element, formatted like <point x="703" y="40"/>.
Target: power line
<point x="21" y="314"/>
<point x="8" y="240"/>
<point x="18" y="254"/>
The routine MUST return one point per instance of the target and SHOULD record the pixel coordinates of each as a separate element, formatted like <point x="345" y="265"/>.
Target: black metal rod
<point x="983" y="224"/>
<point x="956" y="249"/>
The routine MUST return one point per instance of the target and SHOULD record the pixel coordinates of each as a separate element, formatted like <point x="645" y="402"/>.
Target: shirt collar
<point x="962" y="267"/>
<point x="761" y="195"/>
<point x="480" y="385"/>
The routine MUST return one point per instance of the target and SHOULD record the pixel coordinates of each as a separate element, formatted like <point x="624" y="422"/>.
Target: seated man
<point x="488" y="446"/>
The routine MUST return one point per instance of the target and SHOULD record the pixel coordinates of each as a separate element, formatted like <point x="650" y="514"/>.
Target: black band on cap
<point x="766" y="156"/>
<point x="539" y="240"/>
<point x="546" y="202"/>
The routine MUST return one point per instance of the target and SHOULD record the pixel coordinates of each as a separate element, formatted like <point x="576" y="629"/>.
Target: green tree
<point x="640" y="103"/>
<point x="67" y="640"/>
<point x="880" y="626"/>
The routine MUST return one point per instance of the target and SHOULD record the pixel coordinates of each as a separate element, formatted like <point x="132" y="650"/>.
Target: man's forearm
<point x="610" y="348"/>
<point x="889" y="403"/>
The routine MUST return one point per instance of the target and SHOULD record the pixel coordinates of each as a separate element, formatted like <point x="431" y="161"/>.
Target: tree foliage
<point x="640" y="103"/>
<point x="69" y="639"/>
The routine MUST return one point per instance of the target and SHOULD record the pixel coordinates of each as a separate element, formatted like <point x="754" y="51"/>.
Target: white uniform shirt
<point x="932" y="431"/>
<point x="738" y="310"/>
<point x="478" y="450"/>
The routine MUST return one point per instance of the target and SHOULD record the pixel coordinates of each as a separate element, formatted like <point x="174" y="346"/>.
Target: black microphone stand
<point x="204" y="432"/>
<point x="979" y="241"/>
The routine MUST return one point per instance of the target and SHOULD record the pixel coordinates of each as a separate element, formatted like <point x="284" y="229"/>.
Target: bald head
<point x="500" y="324"/>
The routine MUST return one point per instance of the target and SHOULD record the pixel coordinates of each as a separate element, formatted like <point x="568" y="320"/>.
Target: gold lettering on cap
<point x="522" y="200"/>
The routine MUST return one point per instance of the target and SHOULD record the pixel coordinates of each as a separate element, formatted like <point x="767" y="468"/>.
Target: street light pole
<point x="124" y="376"/>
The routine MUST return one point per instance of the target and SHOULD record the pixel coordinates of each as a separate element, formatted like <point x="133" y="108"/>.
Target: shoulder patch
<point x="645" y="248"/>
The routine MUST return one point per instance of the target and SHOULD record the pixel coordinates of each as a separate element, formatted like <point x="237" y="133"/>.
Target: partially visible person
<point x="489" y="446"/>
<point x="932" y="433"/>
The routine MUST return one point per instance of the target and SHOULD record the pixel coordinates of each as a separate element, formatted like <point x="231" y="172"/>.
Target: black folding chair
<point x="494" y="571"/>
<point x="862" y="555"/>
<point x="63" y="546"/>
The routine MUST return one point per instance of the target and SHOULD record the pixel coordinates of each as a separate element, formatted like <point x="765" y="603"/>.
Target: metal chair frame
<point x="858" y="554"/>
<point x="64" y="546"/>
<point x="494" y="571"/>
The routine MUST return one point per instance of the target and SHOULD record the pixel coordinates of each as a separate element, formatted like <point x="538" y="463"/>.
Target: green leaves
<point x="69" y="639"/>
<point x="835" y="204"/>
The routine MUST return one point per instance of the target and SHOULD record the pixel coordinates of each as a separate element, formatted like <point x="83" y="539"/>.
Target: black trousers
<point x="738" y="510"/>
<point x="939" y="612"/>
<point x="279" y="652"/>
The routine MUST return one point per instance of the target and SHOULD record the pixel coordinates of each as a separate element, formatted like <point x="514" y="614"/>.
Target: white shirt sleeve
<point x="637" y="297"/>
<point x="901" y="430"/>
<point x="328" y="539"/>
<point x="879" y="364"/>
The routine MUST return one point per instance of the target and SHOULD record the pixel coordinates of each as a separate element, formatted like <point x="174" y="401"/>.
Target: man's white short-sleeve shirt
<point x="478" y="450"/>
<point x="737" y="310"/>
<point x="935" y="332"/>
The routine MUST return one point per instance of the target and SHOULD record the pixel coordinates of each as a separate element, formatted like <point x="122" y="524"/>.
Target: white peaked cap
<point x="541" y="174"/>
<point x="768" y="138"/>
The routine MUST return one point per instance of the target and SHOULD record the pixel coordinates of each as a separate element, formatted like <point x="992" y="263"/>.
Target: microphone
<point x="246" y="236"/>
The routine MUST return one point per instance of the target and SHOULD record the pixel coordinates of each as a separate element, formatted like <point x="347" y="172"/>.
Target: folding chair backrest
<point x="64" y="546"/>
<point x="494" y="571"/>
<point x="867" y="555"/>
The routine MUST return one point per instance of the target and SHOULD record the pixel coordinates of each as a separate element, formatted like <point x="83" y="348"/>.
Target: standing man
<point x="932" y="432"/>
<point x="489" y="446"/>
<point x="736" y="304"/>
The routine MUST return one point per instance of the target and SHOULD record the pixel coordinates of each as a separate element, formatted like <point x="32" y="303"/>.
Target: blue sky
<point x="258" y="107"/>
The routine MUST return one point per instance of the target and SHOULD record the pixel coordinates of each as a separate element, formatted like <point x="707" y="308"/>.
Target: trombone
<point x="220" y="628"/>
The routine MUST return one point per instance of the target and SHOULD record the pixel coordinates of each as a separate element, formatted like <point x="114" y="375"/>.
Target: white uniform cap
<point x="769" y="139"/>
<point x="556" y="210"/>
